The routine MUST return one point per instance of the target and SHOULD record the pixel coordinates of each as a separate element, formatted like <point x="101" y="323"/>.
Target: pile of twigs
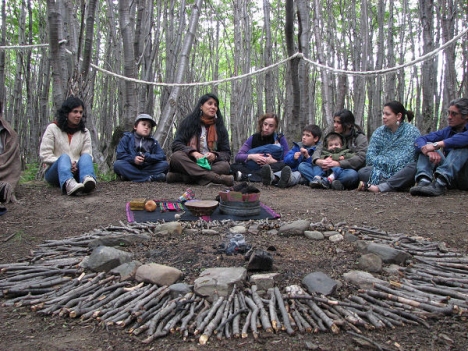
<point x="52" y="283"/>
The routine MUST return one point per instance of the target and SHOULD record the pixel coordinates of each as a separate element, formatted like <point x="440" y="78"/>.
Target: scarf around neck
<point x="211" y="134"/>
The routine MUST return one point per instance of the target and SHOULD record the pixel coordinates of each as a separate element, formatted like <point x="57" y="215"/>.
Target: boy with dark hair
<point x="333" y="148"/>
<point x="140" y="158"/>
<point x="301" y="152"/>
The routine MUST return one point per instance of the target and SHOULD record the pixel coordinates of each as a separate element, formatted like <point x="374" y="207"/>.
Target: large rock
<point x="264" y="281"/>
<point x="169" y="228"/>
<point x="362" y="279"/>
<point x="370" y="263"/>
<point x="219" y="281"/>
<point x="157" y="274"/>
<point x="104" y="258"/>
<point x="319" y="282"/>
<point x="127" y="270"/>
<point x="388" y="254"/>
<point x="119" y="240"/>
<point x="294" y="228"/>
<point x="314" y="235"/>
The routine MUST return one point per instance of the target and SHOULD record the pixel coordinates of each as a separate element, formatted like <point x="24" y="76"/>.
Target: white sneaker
<point x="73" y="187"/>
<point x="89" y="184"/>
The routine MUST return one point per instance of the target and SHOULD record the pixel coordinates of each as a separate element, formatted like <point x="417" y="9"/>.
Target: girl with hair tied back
<point x="391" y="156"/>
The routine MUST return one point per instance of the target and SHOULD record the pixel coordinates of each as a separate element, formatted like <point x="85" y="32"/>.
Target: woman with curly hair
<point x="66" y="151"/>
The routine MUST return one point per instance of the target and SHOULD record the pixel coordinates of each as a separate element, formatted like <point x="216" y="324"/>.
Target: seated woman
<point x="10" y="160"/>
<point x="201" y="150"/>
<point x="355" y="140"/>
<point x="261" y="156"/>
<point x="391" y="156"/>
<point x="66" y="151"/>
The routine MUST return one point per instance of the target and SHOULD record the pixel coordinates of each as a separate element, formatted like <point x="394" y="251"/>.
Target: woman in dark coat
<point x="201" y="150"/>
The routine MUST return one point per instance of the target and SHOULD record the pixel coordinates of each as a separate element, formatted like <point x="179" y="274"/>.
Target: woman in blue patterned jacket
<point x="391" y="156"/>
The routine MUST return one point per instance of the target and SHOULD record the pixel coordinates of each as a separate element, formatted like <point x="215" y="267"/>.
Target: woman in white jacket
<point x="66" y="151"/>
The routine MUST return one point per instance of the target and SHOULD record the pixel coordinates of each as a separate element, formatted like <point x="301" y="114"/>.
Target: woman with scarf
<point x="66" y="151"/>
<point x="201" y="150"/>
<point x="10" y="161"/>
<point x="391" y="156"/>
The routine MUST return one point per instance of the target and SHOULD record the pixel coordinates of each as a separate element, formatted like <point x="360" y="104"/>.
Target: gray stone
<point x="179" y="289"/>
<point x="313" y="235"/>
<point x="363" y="280"/>
<point x="169" y="228"/>
<point x="393" y="270"/>
<point x="294" y="228"/>
<point x="190" y="231"/>
<point x="127" y="270"/>
<point x="361" y="246"/>
<point x="104" y="258"/>
<point x="219" y="281"/>
<point x="351" y="237"/>
<point x="335" y="238"/>
<point x="210" y="232"/>
<point x="259" y="260"/>
<point x="389" y="254"/>
<point x="330" y="233"/>
<point x="157" y="274"/>
<point x="264" y="281"/>
<point x="238" y="229"/>
<point x="119" y="240"/>
<point x="370" y="263"/>
<point x="318" y="282"/>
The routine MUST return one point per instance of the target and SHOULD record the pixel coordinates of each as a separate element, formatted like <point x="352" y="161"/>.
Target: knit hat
<point x="144" y="116"/>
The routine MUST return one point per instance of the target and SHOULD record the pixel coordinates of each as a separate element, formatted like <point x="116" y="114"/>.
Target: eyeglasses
<point x="453" y="113"/>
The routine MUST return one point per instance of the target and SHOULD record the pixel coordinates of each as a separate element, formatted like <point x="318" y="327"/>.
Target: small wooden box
<point x="137" y="204"/>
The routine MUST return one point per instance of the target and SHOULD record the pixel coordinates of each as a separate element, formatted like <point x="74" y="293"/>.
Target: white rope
<point x="391" y="69"/>
<point x="268" y="68"/>
<point x="14" y="47"/>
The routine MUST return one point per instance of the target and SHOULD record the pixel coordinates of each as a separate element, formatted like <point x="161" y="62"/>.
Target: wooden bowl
<point x="201" y="208"/>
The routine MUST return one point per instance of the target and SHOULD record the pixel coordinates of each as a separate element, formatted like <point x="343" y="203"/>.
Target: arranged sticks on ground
<point x="52" y="283"/>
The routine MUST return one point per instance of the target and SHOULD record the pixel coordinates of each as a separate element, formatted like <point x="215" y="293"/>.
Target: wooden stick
<point x="284" y="313"/>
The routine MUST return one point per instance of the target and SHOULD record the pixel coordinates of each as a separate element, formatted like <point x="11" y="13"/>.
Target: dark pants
<point x="183" y="164"/>
<point x="141" y="173"/>
<point x="400" y="181"/>
<point x="255" y="175"/>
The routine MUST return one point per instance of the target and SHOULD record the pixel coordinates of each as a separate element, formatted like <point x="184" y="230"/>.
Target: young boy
<point x="139" y="156"/>
<point x="301" y="152"/>
<point x="333" y="147"/>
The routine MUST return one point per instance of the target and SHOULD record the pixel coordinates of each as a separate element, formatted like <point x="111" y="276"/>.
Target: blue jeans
<point x="453" y="168"/>
<point x="60" y="171"/>
<point x="140" y="173"/>
<point x="347" y="176"/>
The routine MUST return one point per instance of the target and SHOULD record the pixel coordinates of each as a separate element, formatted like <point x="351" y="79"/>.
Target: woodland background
<point x="125" y="57"/>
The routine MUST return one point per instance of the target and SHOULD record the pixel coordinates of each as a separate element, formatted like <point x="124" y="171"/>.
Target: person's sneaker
<point x="433" y="189"/>
<point x="72" y="187"/>
<point x="267" y="175"/>
<point x="89" y="184"/>
<point x="418" y="189"/>
<point x="161" y="177"/>
<point x="337" y="185"/>
<point x="319" y="183"/>
<point x="285" y="177"/>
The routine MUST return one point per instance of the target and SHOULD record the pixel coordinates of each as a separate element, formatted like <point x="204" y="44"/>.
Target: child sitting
<point x="301" y="152"/>
<point x="139" y="156"/>
<point x="333" y="148"/>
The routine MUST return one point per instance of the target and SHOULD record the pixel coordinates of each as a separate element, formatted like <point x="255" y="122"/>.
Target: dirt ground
<point x="43" y="213"/>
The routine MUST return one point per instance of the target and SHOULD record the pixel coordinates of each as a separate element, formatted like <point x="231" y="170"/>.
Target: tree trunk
<point x="168" y="112"/>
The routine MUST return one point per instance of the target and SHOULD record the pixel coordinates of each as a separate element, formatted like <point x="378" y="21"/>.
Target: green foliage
<point x="29" y="173"/>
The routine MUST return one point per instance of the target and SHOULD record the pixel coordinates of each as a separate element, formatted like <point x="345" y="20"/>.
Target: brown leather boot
<point x="220" y="179"/>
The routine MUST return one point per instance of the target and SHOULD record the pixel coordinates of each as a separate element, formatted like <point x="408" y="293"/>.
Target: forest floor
<point x="43" y="213"/>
